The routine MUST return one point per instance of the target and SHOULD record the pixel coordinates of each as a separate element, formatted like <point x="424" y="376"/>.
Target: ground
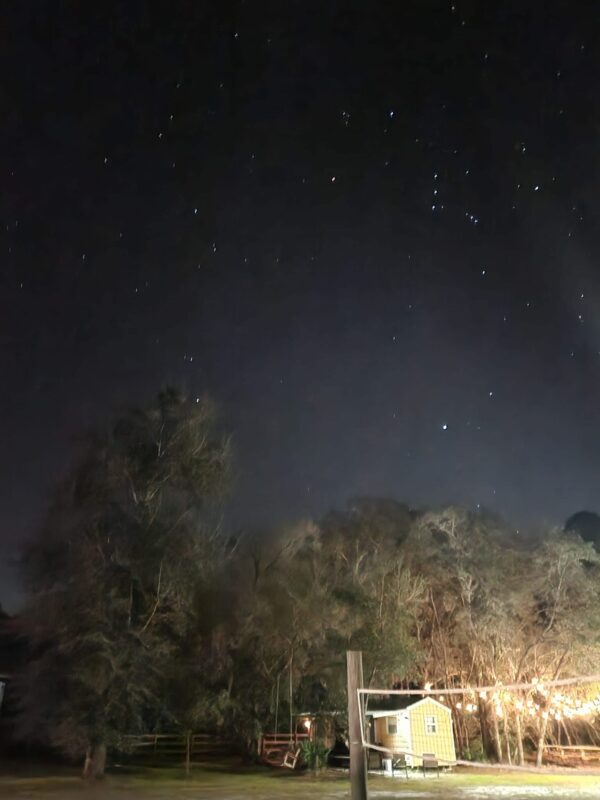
<point x="233" y="781"/>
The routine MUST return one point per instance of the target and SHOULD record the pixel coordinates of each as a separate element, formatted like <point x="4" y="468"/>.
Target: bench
<point x="399" y="763"/>
<point x="291" y="758"/>
<point x="430" y="762"/>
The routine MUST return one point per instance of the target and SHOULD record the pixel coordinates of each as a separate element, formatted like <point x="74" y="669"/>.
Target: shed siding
<point x="441" y="742"/>
<point x="396" y="742"/>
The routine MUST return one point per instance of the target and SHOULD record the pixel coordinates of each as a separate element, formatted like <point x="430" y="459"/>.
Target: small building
<point x="417" y="727"/>
<point x="318" y="725"/>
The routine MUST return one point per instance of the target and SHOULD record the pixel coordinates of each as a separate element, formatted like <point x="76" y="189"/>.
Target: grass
<point x="234" y="781"/>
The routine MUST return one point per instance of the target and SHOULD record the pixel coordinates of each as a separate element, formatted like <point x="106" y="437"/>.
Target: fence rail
<point x="571" y="754"/>
<point x="171" y="747"/>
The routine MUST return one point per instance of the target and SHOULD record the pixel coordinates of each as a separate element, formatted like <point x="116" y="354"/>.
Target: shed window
<point x="430" y="724"/>
<point x="392" y="725"/>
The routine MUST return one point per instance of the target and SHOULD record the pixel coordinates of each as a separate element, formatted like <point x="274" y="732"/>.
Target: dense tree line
<point x="143" y="615"/>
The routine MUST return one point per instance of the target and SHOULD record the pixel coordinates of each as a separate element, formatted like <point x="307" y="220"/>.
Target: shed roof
<point x="407" y="702"/>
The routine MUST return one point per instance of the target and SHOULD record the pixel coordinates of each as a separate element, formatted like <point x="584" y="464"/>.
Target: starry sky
<point x="368" y="230"/>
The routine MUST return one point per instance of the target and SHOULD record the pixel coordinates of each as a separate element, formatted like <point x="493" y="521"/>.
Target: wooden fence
<point x="571" y="755"/>
<point x="155" y="748"/>
<point x="167" y="748"/>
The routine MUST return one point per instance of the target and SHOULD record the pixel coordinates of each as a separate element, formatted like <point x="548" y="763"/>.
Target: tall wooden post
<point x="188" y="752"/>
<point x="358" y="765"/>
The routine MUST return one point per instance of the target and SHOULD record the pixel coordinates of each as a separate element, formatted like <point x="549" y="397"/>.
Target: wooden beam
<point x="358" y="764"/>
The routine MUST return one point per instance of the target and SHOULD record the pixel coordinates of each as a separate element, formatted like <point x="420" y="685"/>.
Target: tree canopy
<point x="144" y="616"/>
<point x="115" y="576"/>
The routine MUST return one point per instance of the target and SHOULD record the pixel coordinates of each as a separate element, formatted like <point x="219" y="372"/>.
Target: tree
<point x="469" y="626"/>
<point x="363" y="549"/>
<point x="282" y="627"/>
<point x="567" y="622"/>
<point x="585" y="524"/>
<point x="130" y="538"/>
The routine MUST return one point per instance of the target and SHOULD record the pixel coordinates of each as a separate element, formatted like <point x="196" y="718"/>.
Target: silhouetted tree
<point x="113" y="577"/>
<point x="585" y="524"/>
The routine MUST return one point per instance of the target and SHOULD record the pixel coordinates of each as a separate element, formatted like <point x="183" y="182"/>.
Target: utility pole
<point x="358" y="765"/>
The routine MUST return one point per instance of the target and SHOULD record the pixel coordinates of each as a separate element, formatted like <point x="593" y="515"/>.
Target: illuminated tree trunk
<point x="521" y="755"/>
<point x="188" y="752"/>
<point x="541" y="742"/>
<point x="565" y="729"/>
<point x="95" y="762"/>
<point x="484" y="727"/>
<point x="507" y="741"/>
<point x="544" y="727"/>
<point x="459" y="732"/>
<point x="465" y="737"/>
<point x="496" y="734"/>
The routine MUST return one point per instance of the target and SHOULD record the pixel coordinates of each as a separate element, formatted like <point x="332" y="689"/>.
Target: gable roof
<point x="407" y="703"/>
<point x="430" y="700"/>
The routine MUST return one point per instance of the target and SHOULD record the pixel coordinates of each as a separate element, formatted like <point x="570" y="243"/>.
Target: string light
<point x="540" y="702"/>
<point x="537" y="698"/>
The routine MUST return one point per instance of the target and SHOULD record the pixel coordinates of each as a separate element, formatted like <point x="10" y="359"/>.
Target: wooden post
<point x="291" y="698"/>
<point x="358" y="765"/>
<point x="188" y="752"/>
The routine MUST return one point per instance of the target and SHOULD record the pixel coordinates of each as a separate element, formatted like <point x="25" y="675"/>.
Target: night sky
<point x="368" y="229"/>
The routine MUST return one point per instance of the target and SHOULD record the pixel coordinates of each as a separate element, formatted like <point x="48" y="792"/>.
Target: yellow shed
<point x="421" y="726"/>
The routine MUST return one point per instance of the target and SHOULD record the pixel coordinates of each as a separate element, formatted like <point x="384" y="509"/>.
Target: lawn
<point x="234" y="781"/>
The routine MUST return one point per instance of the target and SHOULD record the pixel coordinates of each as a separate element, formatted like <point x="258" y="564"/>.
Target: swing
<point x="291" y="758"/>
<point x="294" y="751"/>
